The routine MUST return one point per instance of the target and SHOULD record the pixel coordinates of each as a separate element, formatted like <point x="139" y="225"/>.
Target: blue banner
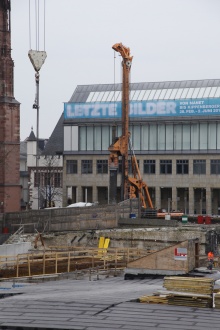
<point x="177" y="108"/>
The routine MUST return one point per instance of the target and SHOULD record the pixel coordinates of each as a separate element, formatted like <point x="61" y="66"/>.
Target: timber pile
<point x="179" y="299"/>
<point x="217" y="300"/>
<point x="203" y="286"/>
<point x="188" y="291"/>
<point x="190" y="300"/>
<point x="185" y="291"/>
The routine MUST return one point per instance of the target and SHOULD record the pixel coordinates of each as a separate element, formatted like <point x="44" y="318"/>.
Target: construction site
<point x="99" y="267"/>
<point x="125" y="264"/>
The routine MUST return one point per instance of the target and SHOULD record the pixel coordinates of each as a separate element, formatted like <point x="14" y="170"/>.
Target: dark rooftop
<point x="108" y="303"/>
<point x="54" y="145"/>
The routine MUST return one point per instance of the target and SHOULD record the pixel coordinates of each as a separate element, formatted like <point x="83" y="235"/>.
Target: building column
<point x="208" y="201"/>
<point x="215" y="193"/>
<point x="66" y="195"/>
<point x="191" y="200"/>
<point x="174" y="199"/>
<point x="158" y="198"/>
<point x="94" y="193"/>
<point x="79" y="197"/>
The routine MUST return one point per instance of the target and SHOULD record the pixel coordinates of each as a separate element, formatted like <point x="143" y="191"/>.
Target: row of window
<point x="48" y="179"/>
<point x="86" y="167"/>
<point x="154" y="136"/>
<point x="182" y="166"/>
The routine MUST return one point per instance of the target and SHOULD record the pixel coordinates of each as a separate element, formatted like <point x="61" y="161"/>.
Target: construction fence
<point x="66" y="260"/>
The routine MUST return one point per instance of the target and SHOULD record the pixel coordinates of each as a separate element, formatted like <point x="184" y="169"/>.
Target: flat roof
<point x="107" y="303"/>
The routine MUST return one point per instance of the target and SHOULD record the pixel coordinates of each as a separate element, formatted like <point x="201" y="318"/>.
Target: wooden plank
<point x="43" y="264"/>
<point x="153" y="300"/>
<point x="68" y="265"/>
<point x="56" y="264"/>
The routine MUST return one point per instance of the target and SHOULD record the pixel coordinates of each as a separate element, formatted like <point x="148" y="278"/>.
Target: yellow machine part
<point x="101" y="242"/>
<point x="106" y="243"/>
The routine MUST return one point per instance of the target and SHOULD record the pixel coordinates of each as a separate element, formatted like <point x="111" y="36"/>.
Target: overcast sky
<point x="170" y="40"/>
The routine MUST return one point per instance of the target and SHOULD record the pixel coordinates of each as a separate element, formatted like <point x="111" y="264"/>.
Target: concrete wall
<point x="151" y="234"/>
<point x="64" y="219"/>
<point x="155" y="238"/>
<point x="14" y="249"/>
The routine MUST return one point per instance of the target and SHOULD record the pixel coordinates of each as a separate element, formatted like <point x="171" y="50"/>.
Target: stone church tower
<point x="10" y="190"/>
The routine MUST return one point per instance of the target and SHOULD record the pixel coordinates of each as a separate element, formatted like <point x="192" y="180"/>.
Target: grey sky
<point x="169" y="39"/>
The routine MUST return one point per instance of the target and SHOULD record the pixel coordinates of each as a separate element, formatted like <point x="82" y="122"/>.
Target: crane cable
<point x="29" y="24"/>
<point x="37" y="24"/>
<point x="44" y="23"/>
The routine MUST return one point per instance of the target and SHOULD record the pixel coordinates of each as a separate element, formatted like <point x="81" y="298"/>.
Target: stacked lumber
<point x="185" y="291"/>
<point x="217" y="300"/>
<point x="203" y="286"/>
<point x="190" y="291"/>
<point x="190" y="300"/>
<point x="156" y="299"/>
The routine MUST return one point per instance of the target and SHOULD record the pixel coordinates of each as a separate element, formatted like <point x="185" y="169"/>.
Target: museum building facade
<point x="175" y="135"/>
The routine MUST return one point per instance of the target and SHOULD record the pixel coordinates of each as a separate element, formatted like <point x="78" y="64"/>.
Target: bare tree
<point x="48" y="179"/>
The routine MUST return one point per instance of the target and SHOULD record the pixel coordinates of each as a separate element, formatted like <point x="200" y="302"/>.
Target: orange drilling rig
<point x="132" y="186"/>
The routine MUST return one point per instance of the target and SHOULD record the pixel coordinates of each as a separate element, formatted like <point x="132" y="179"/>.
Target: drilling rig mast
<point x="120" y="147"/>
<point x="131" y="187"/>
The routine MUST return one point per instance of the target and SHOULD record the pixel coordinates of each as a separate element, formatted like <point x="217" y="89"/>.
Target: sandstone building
<point x="10" y="190"/>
